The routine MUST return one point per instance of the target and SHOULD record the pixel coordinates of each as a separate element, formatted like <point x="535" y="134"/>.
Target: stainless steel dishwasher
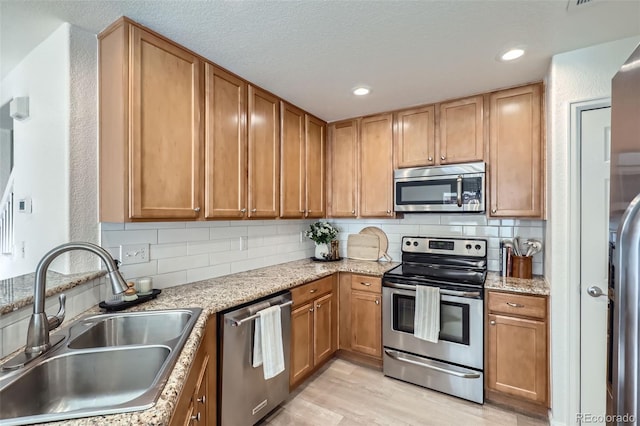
<point x="245" y="395"/>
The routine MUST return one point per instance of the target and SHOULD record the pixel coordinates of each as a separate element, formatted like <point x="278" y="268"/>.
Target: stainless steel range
<point x="454" y="364"/>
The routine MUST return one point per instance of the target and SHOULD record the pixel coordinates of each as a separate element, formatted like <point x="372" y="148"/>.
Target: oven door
<point x="461" y="339"/>
<point x="452" y="193"/>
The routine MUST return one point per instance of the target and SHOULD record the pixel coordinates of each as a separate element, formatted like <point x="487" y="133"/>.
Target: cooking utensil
<point x="516" y="246"/>
<point x="363" y="247"/>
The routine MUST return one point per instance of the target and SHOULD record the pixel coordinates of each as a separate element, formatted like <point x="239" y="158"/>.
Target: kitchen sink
<point x="106" y="364"/>
<point x="140" y="328"/>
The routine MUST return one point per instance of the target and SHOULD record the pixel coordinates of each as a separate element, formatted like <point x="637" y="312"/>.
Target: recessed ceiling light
<point x="361" y="91"/>
<point x="511" y="54"/>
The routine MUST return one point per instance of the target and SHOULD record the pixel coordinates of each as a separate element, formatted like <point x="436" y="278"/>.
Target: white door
<point x="594" y="225"/>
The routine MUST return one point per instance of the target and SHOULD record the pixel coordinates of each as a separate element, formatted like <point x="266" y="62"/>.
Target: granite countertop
<point x="537" y="285"/>
<point x="17" y="292"/>
<point x="214" y="295"/>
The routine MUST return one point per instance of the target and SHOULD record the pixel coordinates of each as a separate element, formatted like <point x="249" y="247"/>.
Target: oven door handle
<point x="425" y="363"/>
<point x="459" y="191"/>
<point x="442" y="292"/>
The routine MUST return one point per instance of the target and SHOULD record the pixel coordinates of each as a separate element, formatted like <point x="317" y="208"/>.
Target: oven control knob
<point x="415" y="244"/>
<point x="478" y="247"/>
<point x="468" y="246"/>
<point x="408" y="243"/>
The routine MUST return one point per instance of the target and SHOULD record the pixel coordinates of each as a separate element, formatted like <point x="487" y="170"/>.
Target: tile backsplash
<point x="183" y="252"/>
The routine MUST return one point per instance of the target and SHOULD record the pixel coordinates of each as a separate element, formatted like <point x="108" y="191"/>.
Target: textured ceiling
<point x="313" y="53"/>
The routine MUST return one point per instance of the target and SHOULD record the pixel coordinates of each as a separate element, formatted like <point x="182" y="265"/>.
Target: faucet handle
<point x="55" y="321"/>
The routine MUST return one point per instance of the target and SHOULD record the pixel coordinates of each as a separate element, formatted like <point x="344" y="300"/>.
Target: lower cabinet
<point x="197" y="402"/>
<point x="517" y="356"/>
<point x="313" y="327"/>
<point x="361" y="317"/>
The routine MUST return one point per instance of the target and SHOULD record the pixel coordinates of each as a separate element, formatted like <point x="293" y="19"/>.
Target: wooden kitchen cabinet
<point x="376" y="166"/>
<point x="461" y="131"/>
<point x="264" y="154"/>
<point x="360" y="336"/>
<point x="225" y="191"/>
<point x="516" y="153"/>
<point x="517" y="355"/>
<point x="415" y="137"/>
<point x="151" y="133"/>
<point x="343" y="169"/>
<point x="302" y="164"/>
<point x="313" y="327"/>
<point x="197" y="401"/>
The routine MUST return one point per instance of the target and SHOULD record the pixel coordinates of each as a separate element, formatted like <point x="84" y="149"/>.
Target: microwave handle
<point x="459" y="199"/>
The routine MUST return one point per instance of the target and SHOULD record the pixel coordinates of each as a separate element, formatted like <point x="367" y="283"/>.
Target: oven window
<point x="454" y="318"/>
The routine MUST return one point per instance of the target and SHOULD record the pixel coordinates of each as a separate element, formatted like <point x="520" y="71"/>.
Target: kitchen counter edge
<point x="537" y="285"/>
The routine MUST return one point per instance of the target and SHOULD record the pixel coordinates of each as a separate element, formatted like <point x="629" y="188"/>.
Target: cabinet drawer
<point x="311" y="290"/>
<point x="366" y="283"/>
<point x="518" y="304"/>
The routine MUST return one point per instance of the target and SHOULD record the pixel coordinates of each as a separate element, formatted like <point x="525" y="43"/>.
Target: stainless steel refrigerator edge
<point x="625" y="230"/>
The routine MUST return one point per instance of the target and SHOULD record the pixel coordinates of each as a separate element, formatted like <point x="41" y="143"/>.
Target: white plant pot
<point x="322" y="250"/>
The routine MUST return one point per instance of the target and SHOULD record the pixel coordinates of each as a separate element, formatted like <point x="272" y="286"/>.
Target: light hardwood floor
<point x="344" y="394"/>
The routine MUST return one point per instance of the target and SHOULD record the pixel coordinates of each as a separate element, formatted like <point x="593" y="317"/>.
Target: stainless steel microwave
<point x="451" y="188"/>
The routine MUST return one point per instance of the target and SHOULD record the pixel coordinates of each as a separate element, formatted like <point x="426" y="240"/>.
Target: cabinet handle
<point x="318" y="305"/>
<point x="197" y="209"/>
<point x="303" y="211"/>
<point x="202" y="399"/>
<point x="492" y="322"/>
<point x="515" y="305"/>
<point x="353" y="212"/>
<point x="388" y="211"/>
<point x="367" y="284"/>
<point x="493" y="210"/>
<point x="243" y="211"/>
<point x="311" y="310"/>
<point x="442" y="157"/>
<point x="430" y="158"/>
<point x="313" y="290"/>
<point x="254" y="210"/>
<point x="196" y="417"/>
<point x="377" y="302"/>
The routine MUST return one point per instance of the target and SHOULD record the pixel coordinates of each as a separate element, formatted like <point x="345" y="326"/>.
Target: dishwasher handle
<point x="237" y="323"/>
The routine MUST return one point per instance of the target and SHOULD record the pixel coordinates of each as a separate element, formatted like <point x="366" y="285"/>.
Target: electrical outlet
<point x="134" y="253"/>
<point x="244" y="242"/>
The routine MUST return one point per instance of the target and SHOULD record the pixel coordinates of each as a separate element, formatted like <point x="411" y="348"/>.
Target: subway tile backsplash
<point x="183" y="252"/>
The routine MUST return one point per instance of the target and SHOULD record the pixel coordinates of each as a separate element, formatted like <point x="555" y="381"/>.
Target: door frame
<point x="574" y="290"/>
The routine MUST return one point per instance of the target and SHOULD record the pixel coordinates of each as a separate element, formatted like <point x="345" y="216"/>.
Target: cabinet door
<point x="516" y="153"/>
<point x="376" y="166"/>
<point x="518" y="357"/>
<point x="323" y="325"/>
<point x="461" y="131"/>
<point x="344" y="170"/>
<point x="315" y="165"/>
<point x="415" y="137"/>
<point x="366" y="323"/>
<point x="264" y="154"/>
<point x="301" y="342"/>
<point x="225" y="145"/>
<point x="292" y="162"/>
<point x="166" y="129"/>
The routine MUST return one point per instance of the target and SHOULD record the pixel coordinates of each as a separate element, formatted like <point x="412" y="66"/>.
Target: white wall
<point x="40" y="148"/>
<point x="576" y="76"/>
<point x="55" y="150"/>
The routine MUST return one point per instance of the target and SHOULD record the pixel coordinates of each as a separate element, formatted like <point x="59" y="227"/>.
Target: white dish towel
<point x="267" y="342"/>
<point x="426" y="321"/>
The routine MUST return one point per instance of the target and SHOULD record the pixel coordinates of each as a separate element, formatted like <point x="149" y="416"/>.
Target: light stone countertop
<point x="215" y="295"/>
<point x="17" y="292"/>
<point x="537" y="285"/>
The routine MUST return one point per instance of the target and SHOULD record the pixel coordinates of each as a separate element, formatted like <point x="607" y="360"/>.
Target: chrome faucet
<point x="38" y="341"/>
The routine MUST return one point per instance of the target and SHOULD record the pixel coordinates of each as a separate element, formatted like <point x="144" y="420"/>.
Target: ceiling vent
<point x="573" y="5"/>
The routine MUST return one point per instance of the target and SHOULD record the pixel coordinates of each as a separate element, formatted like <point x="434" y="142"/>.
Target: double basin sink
<point x="106" y="364"/>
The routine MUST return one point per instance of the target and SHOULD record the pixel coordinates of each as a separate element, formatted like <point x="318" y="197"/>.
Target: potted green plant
<point x="322" y="233"/>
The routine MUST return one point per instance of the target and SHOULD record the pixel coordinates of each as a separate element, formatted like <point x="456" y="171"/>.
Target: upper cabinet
<point x="225" y="162"/>
<point x="376" y="166"/>
<point x="150" y="127"/>
<point x="461" y="131"/>
<point x="416" y="137"/>
<point x="516" y="153"/>
<point x="343" y="169"/>
<point x="302" y="164"/>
